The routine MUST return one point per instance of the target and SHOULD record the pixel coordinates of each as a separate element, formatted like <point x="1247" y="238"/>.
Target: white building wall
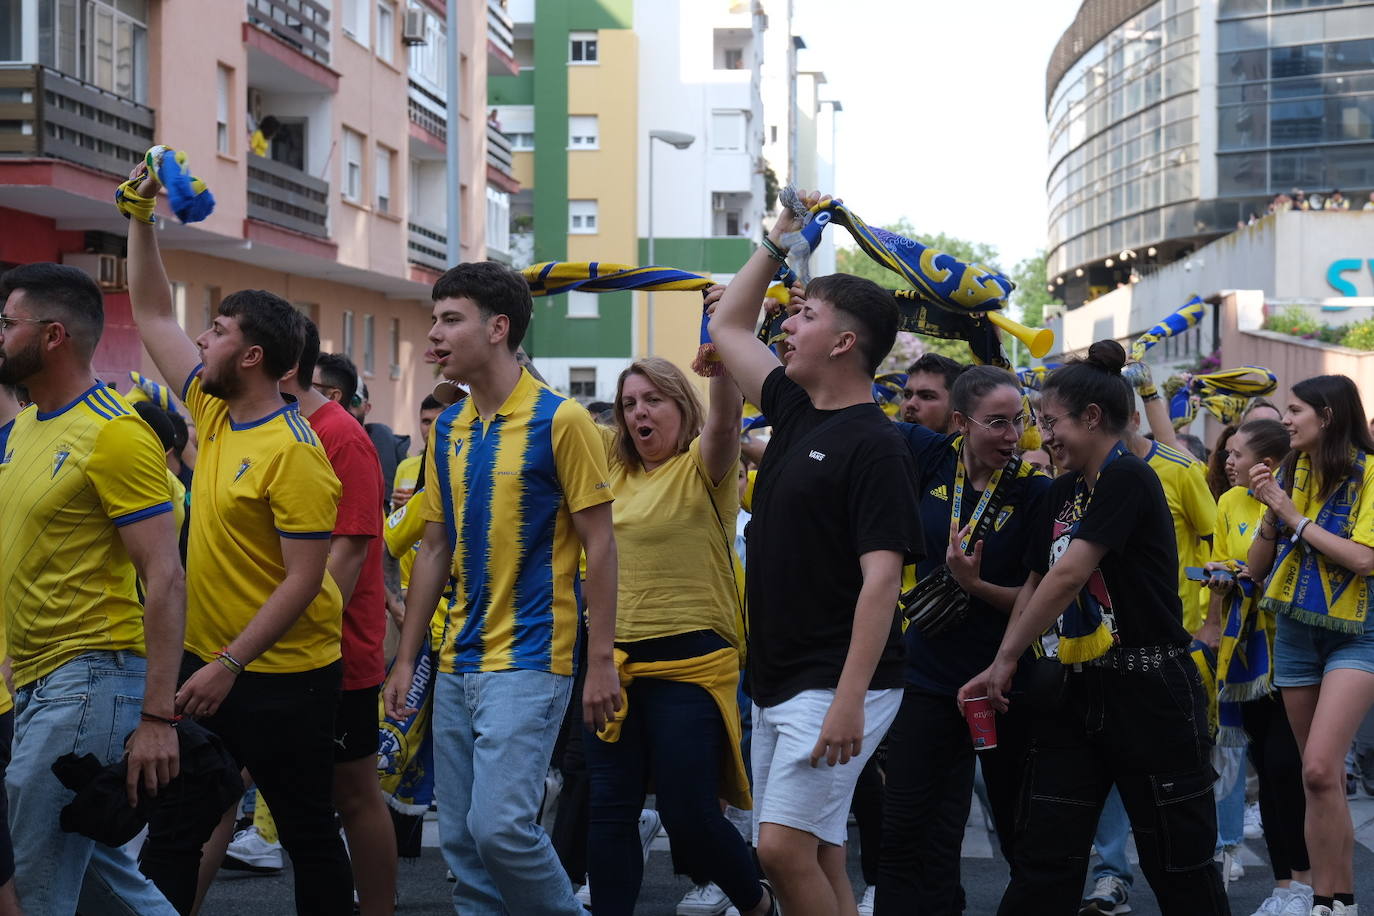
<point x="557" y="370"/>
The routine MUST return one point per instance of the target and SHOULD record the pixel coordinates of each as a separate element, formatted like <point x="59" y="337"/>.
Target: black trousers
<point x="1283" y="805"/>
<point x="929" y="790"/>
<point x="1147" y="733"/>
<point x="281" y="727"/>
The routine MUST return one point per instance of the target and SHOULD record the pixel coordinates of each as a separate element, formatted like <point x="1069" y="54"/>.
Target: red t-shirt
<point x="359" y="469"/>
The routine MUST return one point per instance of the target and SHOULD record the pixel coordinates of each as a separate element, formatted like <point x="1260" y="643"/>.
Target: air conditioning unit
<point x="717" y="201"/>
<point x="413" y="29"/>
<point x="107" y="270"/>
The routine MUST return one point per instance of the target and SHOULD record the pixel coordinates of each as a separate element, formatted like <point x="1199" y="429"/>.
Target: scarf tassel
<point x="1074" y="650"/>
<point x="1232" y="736"/>
<point x="1312" y="618"/>
<point x="1246" y="691"/>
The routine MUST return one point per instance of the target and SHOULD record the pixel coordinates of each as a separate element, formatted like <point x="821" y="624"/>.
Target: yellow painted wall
<point x="522" y="166"/>
<point x="610" y="91"/>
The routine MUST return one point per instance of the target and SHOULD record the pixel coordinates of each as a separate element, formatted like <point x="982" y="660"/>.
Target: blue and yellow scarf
<point x="1307" y="586"/>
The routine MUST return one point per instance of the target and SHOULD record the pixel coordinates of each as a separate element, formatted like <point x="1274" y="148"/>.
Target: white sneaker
<point x="584" y="895"/>
<point x="1346" y="909"/>
<point x="1298" y="902"/>
<point x="649" y="825"/>
<point x="866" y="902"/>
<point x="1231" y="867"/>
<point x="703" y="900"/>
<point x="1254" y="824"/>
<point x="248" y="851"/>
<point x="1322" y="911"/>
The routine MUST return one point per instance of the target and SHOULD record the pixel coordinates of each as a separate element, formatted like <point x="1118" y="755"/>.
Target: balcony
<point x="302" y="24"/>
<point x="500" y="160"/>
<point x="500" y="40"/>
<point x="427" y="111"/>
<point x="48" y="114"/>
<point x="287" y="197"/>
<point x="428" y="247"/>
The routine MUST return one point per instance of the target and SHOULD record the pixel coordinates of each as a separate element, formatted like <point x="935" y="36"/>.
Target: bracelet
<point x="228" y="661"/>
<point x="173" y="722"/>
<point x="1297" y="533"/>
<point x="774" y="252"/>
<point x="1153" y="395"/>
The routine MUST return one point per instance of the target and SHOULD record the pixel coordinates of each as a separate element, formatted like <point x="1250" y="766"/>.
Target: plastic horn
<point x="1038" y="342"/>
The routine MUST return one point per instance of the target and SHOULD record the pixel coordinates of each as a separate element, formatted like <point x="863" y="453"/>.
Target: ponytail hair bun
<point x="1107" y="355"/>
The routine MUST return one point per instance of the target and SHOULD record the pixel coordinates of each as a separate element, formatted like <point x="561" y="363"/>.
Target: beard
<point x="17" y="367"/>
<point x="222" y="388"/>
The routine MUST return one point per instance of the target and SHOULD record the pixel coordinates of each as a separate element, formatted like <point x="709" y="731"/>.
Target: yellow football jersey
<point x="404" y="529"/>
<point x="256" y="483"/>
<point x="407" y="475"/>
<point x="1195" y="517"/>
<point x="69" y="480"/>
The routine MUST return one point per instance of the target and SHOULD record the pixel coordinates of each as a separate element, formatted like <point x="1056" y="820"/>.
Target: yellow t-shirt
<point x="674" y="537"/>
<point x="255" y="484"/>
<point x="1195" y="517"/>
<point x="1305" y="487"/>
<point x="69" y="479"/>
<point x="505" y="490"/>
<point x="403" y="532"/>
<point x="1238" y="518"/>
<point x="407" y="475"/>
<point x="178" y="493"/>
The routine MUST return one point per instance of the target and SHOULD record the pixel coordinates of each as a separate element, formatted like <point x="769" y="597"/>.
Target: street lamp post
<point x="677" y="140"/>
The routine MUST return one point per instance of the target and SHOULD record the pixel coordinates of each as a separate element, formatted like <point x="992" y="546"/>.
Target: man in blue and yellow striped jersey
<point x="515" y="488"/>
<point x="84" y="506"/>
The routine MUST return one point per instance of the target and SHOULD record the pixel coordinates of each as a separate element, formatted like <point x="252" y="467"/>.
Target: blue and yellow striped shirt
<point x="505" y="489"/>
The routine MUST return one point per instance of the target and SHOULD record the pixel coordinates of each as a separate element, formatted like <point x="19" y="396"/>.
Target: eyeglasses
<point x="1047" y="423"/>
<point x="1002" y="424"/>
<point x="8" y="321"/>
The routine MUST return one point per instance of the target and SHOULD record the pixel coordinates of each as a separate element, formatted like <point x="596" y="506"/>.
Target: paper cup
<point x="982" y="723"/>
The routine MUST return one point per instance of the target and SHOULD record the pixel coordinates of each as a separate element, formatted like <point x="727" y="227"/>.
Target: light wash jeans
<point x="1113" y="830"/>
<point x="1231" y="806"/>
<point x="87" y="706"/>
<point x="493" y="735"/>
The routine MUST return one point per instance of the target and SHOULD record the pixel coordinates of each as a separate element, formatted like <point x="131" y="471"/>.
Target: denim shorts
<point x="1303" y="653"/>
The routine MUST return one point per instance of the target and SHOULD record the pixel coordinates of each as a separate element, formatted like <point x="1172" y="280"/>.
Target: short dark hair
<point x="268" y="321"/>
<point x="496" y="289"/>
<point x="870" y="311"/>
<point x="310" y="352"/>
<point x="431" y="403"/>
<point x="338" y="371"/>
<point x="156" y="417"/>
<point x="935" y="364"/>
<point x="180" y="434"/>
<point x="62" y="293"/>
<point x="1095" y="379"/>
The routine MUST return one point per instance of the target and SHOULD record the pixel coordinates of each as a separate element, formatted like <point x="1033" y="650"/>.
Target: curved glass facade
<point x="1295" y="97"/>
<point x="1124" y="139"/>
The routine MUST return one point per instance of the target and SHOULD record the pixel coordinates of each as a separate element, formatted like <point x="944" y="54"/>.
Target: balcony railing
<point x="50" y="114"/>
<point x="425" y="108"/>
<point x="500" y="36"/>
<point x="303" y="24"/>
<point x="287" y="197"/>
<point x="499" y="153"/>
<point x="428" y="247"/>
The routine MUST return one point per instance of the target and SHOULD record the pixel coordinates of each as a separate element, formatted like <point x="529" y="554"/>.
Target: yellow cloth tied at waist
<point x="718" y="674"/>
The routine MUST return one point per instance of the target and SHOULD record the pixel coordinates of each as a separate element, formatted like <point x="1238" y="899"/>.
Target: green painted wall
<point x="555" y="334"/>
<point x="586" y="15"/>
<point x="511" y="90"/>
<point x="551" y="27"/>
<point x="709" y="255"/>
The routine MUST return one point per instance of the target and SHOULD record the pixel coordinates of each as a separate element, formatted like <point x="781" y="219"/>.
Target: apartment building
<point x="344" y="215"/>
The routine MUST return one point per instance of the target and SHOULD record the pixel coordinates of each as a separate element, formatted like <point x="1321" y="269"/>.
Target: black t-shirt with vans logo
<point x="823" y="498"/>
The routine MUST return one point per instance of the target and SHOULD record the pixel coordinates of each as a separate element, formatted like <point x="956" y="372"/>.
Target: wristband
<point x="774" y="252"/>
<point x="173" y="722"/>
<point x="228" y="661"/>
<point x="1149" y="394"/>
<point x="1297" y="533"/>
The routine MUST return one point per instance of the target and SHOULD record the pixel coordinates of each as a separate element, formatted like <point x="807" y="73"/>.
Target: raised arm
<point x="720" y="445"/>
<point x="747" y="358"/>
<point x="174" y="353"/>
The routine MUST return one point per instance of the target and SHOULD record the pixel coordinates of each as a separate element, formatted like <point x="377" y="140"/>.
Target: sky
<point x="944" y="111"/>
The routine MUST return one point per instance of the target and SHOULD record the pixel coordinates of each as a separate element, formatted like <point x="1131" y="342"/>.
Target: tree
<point x="1032" y="290"/>
<point x="850" y="259"/>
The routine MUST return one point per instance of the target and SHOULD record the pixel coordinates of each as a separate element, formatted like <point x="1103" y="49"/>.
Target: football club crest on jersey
<point x="243" y="468"/>
<point x="59" y="458"/>
<point x="1003" y="517"/>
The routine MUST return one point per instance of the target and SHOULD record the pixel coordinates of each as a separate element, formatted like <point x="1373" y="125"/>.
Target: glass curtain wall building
<point x="1171" y="122"/>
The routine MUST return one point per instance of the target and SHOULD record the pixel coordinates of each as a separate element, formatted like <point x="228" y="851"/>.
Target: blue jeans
<point x="1231" y="806"/>
<point x="1113" y="830"/>
<point x="493" y="736"/>
<point x="87" y="706"/>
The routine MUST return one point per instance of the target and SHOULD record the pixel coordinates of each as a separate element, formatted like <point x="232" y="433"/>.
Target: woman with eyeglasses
<point x="964" y="478"/>
<point x="1129" y="709"/>
<point x="1316" y="547"/>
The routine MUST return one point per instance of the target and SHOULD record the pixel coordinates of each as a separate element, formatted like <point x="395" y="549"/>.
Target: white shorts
<point x="791" y="792"/>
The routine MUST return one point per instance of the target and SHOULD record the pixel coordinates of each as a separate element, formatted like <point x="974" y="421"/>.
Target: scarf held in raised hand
<point x="1306" y="585"/>
<point x="1180" y="320"/>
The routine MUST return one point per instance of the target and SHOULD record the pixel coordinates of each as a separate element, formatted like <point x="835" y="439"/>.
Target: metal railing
<point x="62" y="117"/>
<point x="426" y="115"/>
<point x="428" y="247"/>
<point x="287" y="197"/>
<point x="303" y="24"/>
<point x="500" y="29"/>
<point x="499" y="151"/>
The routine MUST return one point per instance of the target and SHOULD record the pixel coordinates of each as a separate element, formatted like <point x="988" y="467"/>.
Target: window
<point x="209" y="306"/>
<point x="395" y="348"/>
<point x="352" y="166"/>
<point x="730" y="48"/>
<point x="727" y="131"/>
<point x="355" y="19"/>
<point x="582" y="132"/>
<point x="582" y="381"/>
<point x="734" y="59"/>
<point x="347" y="348"/>
<point x="521" y="141"/>
<point x="369" y="360"/>
<point x="386" y="30"/>
<point x="732" y="219"/>
<point x="582" y="217"/>
<point x="382" y="179"/>
<point x="582" y="305"/>
<point x="179" y="304"/>
<point x="582" y="48"/>
<point x="223" y="92"/>
<point x="104" y="42"/>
